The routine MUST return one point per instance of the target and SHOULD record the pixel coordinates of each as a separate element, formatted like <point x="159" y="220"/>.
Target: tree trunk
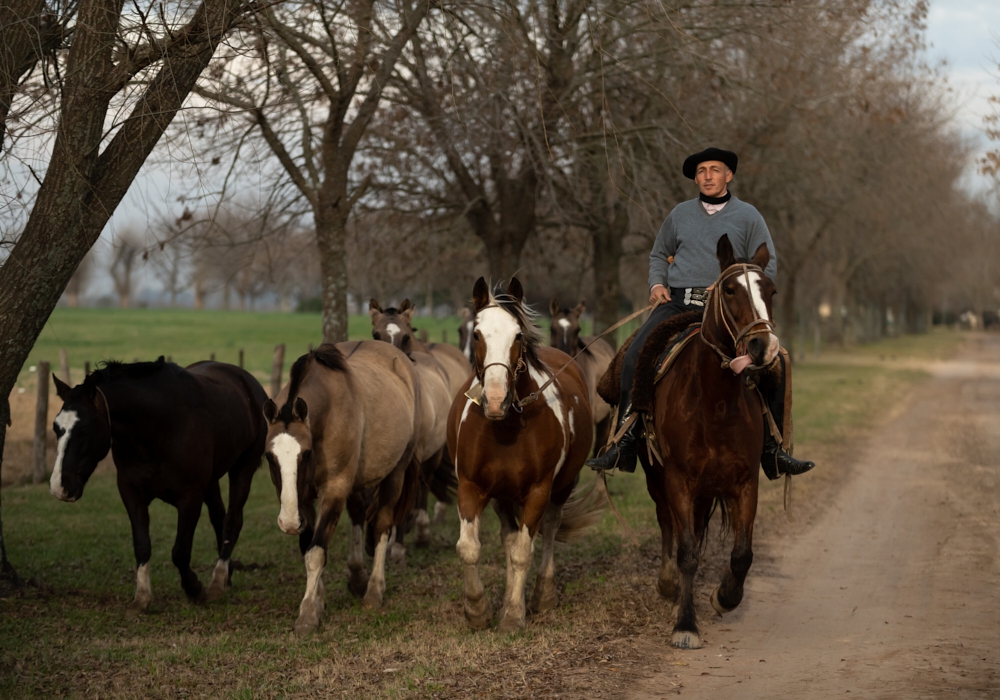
<point x="8" y="577"/>
<point x="331" y="239"/>
<point x="606" y="245"/>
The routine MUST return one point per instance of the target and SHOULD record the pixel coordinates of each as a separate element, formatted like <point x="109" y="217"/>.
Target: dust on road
<point x="894" y="592"/>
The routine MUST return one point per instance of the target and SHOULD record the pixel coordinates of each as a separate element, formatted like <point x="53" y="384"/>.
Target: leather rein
<point x="729" y="321"/>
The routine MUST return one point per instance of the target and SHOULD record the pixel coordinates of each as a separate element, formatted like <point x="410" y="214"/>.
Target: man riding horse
<point x="682" y="268"/>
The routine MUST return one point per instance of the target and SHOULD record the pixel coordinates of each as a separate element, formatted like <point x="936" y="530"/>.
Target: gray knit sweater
<point x="691" y="235"/>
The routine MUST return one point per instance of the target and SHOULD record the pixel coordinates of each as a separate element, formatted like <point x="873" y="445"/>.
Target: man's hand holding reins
<point x="659" y="294"/>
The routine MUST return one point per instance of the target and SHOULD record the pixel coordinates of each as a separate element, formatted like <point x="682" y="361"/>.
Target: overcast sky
<point x="965" y="35"/>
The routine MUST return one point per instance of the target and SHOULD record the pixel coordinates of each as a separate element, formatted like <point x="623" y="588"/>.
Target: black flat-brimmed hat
<point x="692" y="161"/>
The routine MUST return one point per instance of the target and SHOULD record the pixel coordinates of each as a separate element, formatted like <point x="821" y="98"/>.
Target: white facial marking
<point x="286" y="450"/>
<point x="468" y="341"/>
<point x="757" y="299"/>
<point x="564" y="323"/>
<point x="65" y="420"/>
<point x="552" y="400"/>
<point x="499" y="332"/>
<point x="393" y="330"/>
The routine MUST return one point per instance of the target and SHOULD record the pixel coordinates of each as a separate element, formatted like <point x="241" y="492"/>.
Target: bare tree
<point x="78" y="283"/>
<point x="126" y="253"/>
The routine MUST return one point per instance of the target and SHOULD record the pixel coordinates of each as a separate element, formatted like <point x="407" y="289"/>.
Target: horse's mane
<point x="115" y="370"/>
<point x="327" y="355"/>
<point x="525" y="317"/>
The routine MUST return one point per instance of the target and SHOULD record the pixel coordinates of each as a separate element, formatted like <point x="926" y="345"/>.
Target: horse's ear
<point x="554" y="307"/>
<point x="762" y="257"/>
<point x="299" y="409"/>
<point x="406" y="310"/>
<point x="374" y="310"/>
<point x="480" y="295"/>
<point x="515" y="290"/>
<point x="724" y="252"/>
<point x="270" y="411"/>
<point x="161" y="360"/>
<point x="580" y="308"/>
<point x="62" y="388"/>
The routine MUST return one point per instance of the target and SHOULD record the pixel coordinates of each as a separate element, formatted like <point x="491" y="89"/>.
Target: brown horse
<point x="709" y="427"/>
<point x="522" y="446"/>
<point x="594" y="360"/>
<point x="344" y="431"/>
<point x="392" y="325"/>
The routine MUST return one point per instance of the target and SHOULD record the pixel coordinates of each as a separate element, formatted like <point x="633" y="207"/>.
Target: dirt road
<point x="894" y="592"/>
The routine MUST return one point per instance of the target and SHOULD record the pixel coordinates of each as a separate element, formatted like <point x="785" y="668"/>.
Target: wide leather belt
<point x="693" y="296"/>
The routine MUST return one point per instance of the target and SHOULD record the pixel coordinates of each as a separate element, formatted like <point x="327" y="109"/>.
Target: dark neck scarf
<point x="715" y="200"/>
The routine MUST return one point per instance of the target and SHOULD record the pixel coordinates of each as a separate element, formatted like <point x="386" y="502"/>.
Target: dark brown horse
<point x="525" y="453"/>
<point x="173" y="434"/>
<point x="593" y="360"/>
<point x="709" y="427"/>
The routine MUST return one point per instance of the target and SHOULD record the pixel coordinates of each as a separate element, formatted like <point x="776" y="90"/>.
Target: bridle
<point x="512" y="373"/>
<point x="756" y="327"/>
<point x="107" y="408"/>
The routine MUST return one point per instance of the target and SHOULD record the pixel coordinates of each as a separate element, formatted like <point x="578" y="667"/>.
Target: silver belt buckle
<point x="694" y="296"/>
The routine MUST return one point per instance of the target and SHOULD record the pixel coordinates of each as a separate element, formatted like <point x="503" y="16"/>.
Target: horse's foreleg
<point x="506" y="511"/>
<point x="742" y="511"/>
<point x="240" y="480"/>
<point x="685" y="633"/>
<point x="667" y="582"/>
<point x="357" y="576"/>
<point x="312" y="606"/>
<point x="519" y="558"/>
<point x="216" y="512"/>
<point x="471" y="502"/>
<point x="138" y="515"/>
<point x="389" y="492"/>
<point x="188" y="513"/>
<point x="545" y="597"/>
<point x="422" y="520"/>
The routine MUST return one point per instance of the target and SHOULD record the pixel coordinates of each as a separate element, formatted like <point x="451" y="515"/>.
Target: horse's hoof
<point x="717" y="605"/>
<point x="423" y="526"/>
<point x="214" y="592"/>
<point x="440" y="509"/>
<point x="686" y="640"/>
<point x="510" y="622"/>
<point x="478" y="614"/>
<point x="305" y="629"/>
<point x="372" y="600"/>
<point x="397" y="553"/>
<point x="544" y="598"/>
<point x="136" y="608"/>
<point x="357" y="581"/>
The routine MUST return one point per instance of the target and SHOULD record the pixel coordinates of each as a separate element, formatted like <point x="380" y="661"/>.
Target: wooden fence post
<point x="241" y="358"/>
<point x="211" y="357"/>
<point x="41" y="423"/>
<point x="279" y="361"/>
<point x="64" y="366"/>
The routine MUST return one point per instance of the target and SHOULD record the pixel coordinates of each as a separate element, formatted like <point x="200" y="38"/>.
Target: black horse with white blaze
<point x="173" y="433"/>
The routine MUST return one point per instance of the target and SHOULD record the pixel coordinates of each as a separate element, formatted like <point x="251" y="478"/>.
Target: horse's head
<point x="504" y="337"/>
<point x="393" y="325"/>
<point x="289" y="456"/>
<point x="744" y="298"/>
<point x="565" y="330"/>
<point x="465" y="340"/>
<point x="83" y="438"/>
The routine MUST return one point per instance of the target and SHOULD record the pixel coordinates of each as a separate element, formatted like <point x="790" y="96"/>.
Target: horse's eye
<point x="729" y="290"/>
<point x="477" y="335"/>
<point x="519" y="336"/>
<point x="376" y="335"/>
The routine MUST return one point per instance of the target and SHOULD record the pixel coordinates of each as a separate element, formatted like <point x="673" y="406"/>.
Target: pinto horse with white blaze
<point x="709" y="425"/>
<point x="344" y="431"/>
<point x="173" y="434"/>
<point x="521" y="442"/>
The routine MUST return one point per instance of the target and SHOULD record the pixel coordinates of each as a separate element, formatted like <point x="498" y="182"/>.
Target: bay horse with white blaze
<point x="344" y="431"/>
<point x="709" y="426"/>
<point x="520" y="442"/>
<point x="173" y="433"/>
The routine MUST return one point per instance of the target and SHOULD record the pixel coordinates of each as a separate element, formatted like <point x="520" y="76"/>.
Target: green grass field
<point x="66" y="635"/>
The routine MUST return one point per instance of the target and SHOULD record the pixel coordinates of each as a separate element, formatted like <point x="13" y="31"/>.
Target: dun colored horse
<point x="173" y="433"/>
<point x="437" y="391"/>
<point x="593" y="360"/>
<point x="522" y="443"/>
<point x="709" y="426"/>
<point x="344" y="431"/>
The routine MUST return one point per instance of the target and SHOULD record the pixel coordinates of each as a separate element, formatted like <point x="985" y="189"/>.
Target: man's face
<point x="712" y="177"/>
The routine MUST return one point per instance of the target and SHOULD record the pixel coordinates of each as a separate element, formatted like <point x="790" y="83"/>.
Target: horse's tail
<point x="725" y="524"/>
<point x="583" y="510"/>
<point x="444" y="483"/>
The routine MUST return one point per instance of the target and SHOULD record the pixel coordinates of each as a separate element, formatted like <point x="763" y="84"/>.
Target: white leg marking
<point x="315" y="560"/>
<point x="439" y="512"/>
<point x="469" y="549"/>
<point x="393" y="331"/>
<point x="376" y="583"/>
<point x="143" y="585"/>
<point x="220" y="575"/>
<point x="286" y="449"/>
<point x="552" y="400"/>
<point x="521" y="550"/>
<point x="65" y="420"/>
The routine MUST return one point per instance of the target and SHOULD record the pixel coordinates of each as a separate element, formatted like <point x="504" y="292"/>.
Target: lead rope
<point x="107" y="410"/>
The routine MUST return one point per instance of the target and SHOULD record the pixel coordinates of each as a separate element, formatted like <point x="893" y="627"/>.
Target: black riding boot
<point x="774" y="460"/>
<point x="623" y="453"/>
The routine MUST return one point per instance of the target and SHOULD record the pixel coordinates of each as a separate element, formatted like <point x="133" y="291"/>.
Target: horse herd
<point x="374" y="426"/>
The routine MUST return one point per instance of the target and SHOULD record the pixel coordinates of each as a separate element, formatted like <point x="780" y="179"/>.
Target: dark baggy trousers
<point x="660" y="314"/>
